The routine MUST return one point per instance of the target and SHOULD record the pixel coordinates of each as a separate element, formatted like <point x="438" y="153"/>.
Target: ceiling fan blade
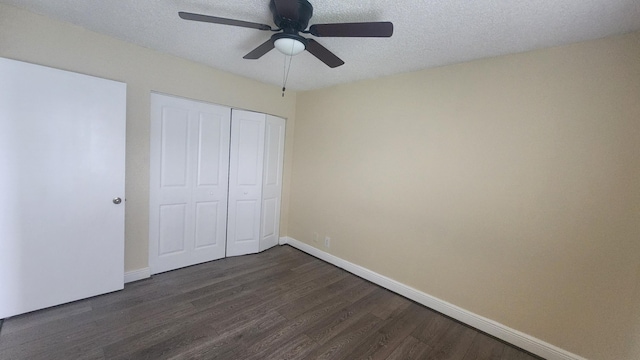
<point x="288" y="9"/>
<point x="223" y="21"/>
<point x="365" y="29"/>
<point x="260" y="50"/>
<point x="323" y="54"/>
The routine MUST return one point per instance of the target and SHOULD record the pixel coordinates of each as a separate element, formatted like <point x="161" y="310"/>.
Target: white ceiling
<point x="427" y="33"/>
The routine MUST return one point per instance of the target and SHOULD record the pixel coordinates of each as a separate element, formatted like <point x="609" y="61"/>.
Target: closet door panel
<point x="174" y="191"/>
<point x="272" y="179"/>
<point x="171" y="212"/>
<point x="189" y="170"/>
<point x="245" y="182"/>
<point x="209" y="193"/>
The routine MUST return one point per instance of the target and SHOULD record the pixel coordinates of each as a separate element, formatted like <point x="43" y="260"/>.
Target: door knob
<point x="117" y="200"/>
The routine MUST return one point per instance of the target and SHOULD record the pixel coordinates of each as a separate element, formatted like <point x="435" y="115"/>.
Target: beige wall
<point x="509" y="187"/>
<point x="28" y="37"/>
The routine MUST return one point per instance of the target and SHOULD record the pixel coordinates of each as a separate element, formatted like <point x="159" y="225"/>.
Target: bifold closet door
<point x="62" y="167"/>
<point x="189" y="182"/>
<point x="245" y="182"/>
<point x="272" y="182"/>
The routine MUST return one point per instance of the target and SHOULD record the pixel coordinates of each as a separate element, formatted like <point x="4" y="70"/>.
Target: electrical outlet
<point x="316" y="237"/>
<point x="327" y="242"/>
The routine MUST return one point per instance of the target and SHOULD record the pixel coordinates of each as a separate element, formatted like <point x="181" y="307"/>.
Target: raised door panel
<point x="245" y="182"/>
<point x="174" y="129"/>
<point x="173" y="227"/>
<point x="206" y="229"/>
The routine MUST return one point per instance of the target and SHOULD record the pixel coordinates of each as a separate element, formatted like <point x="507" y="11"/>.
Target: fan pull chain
<point x="285" y="72"/>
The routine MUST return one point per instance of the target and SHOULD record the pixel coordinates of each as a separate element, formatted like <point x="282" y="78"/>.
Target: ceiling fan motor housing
<point x="297" y="20"/>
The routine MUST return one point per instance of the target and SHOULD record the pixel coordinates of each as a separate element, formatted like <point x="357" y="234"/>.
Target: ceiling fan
<point x="291" y="18"/>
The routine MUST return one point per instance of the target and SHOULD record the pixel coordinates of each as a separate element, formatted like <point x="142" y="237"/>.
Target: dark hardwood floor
<point x="280" y="304"/>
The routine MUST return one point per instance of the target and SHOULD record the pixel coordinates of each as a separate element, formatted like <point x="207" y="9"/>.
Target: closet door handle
<point x="117" y="200"/>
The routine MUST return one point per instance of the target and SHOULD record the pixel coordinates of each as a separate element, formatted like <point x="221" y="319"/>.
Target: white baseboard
<point x="135" y="275"/>
<point x="503" y="332"/>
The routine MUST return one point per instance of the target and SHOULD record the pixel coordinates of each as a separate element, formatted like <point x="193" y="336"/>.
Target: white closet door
<point x="62" y="162"/>
<point x="245" y="182"/>
<point x="188" y="192"/>
<point x="272" y="181"/>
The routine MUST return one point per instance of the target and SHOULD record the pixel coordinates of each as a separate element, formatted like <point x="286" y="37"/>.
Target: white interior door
<point x="272" y="182"/>
<point x="62" y="161"/>
<point x="245" y="182"/>
<point x="189" y="182"/>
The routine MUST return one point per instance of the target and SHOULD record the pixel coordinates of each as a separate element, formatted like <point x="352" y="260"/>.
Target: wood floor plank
<point x="295" y="308"/>
<point x="485" y="348"/>
<point x="136" y="294"/>
<point x="410" y="349"/>
<point x="297" y="348"/>
<point x="233" y="274"/>
<point x="281" y="335"/>
<point x="279" y="304"/>
<point x="453" y="344"/>
<point x="39" y="319"/>
<point x="27" y="343"/>
<point x="433" y="329"/>
<point x="229" y="343"/>
<point x="117" y="333"/>
<point x="386" y="308"/>
<point x="511" y="353"/>
<point x="293" y="289"/>
<point x="201" y="337"/>
<point x="71" y="352"/>
<point x="359" y="291"/>
<point x="332" y="325"/>
<point x="82" y="325"/>
<point x="391" y="334"/>
<point x="341" y="345"/>
<point x="261" y="273"/>
<point x="312" y="265"/>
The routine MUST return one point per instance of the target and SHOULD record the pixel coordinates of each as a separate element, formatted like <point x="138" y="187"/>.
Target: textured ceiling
<point x="428" y="33"/>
